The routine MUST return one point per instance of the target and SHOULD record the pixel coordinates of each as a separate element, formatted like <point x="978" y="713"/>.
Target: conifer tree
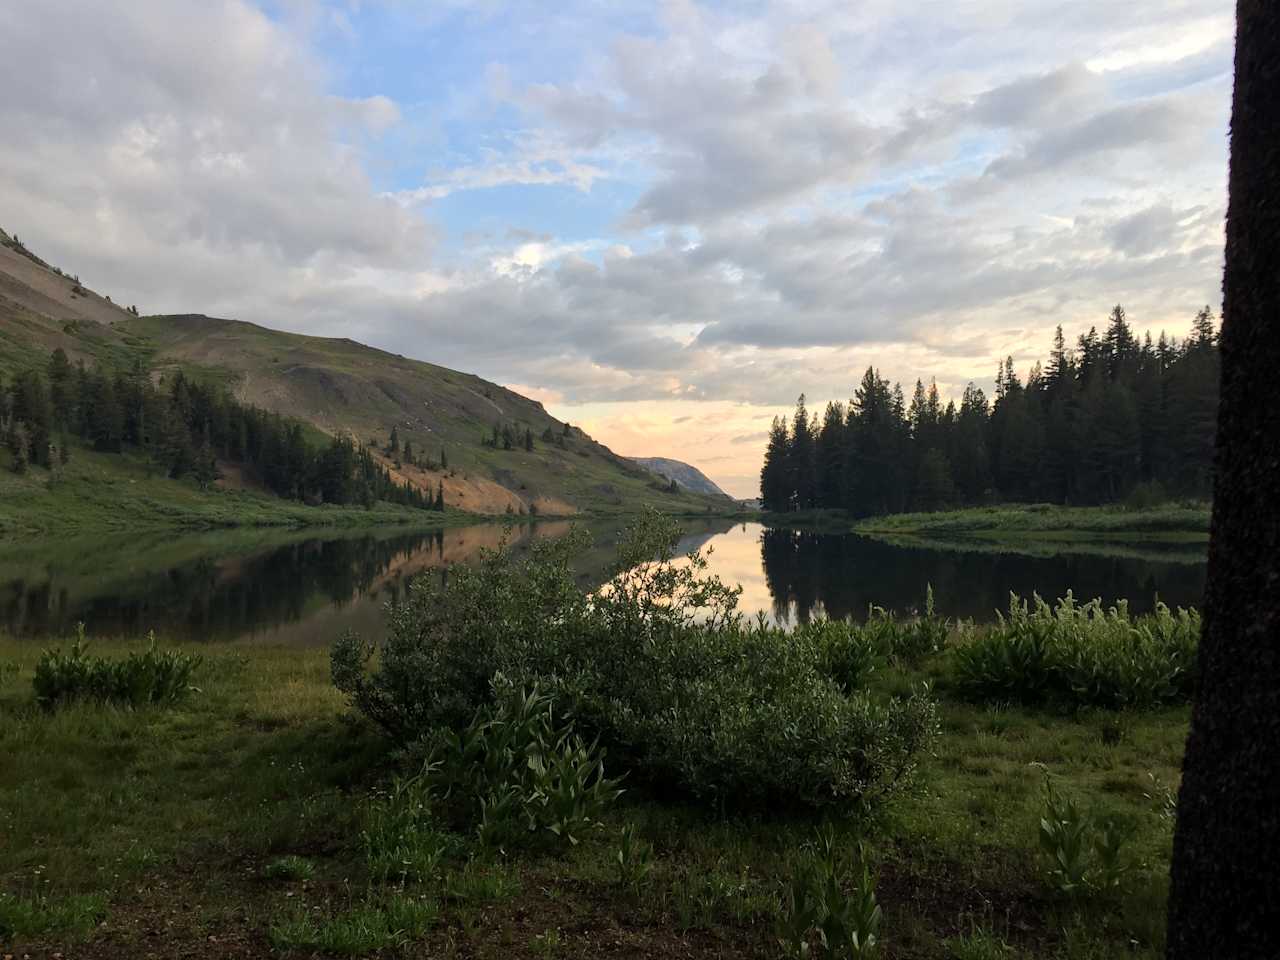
<point x="775" y="488"/>
<point x="800" y="463"/>
<point x="830" y="457"/>
<point x="20" y="447"/>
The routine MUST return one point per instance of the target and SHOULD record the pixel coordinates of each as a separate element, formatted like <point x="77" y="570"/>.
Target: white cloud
<point x="804" y="188"/>
<point x="187" y="156"/>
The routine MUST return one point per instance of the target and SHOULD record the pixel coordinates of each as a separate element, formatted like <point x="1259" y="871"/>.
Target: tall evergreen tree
<point x="830" y="456"/>
<point x="775" y="486"/>
<point x="801" y="459"/>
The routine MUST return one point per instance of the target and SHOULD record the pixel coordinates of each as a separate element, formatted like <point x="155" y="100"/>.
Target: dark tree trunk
<point x="1225" y="897"/>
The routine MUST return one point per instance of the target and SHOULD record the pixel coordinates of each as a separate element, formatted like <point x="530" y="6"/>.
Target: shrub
<point x="845" y="654"/>
<point x="658" y="665"/>
<point x="1082" y="654"/>
<point x="151" y="677"/>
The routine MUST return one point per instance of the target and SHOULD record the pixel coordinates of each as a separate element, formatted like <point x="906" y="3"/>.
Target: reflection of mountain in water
<point x="220" y="596"/>
<point x="301" y="588"/>
<point x="841" y="574"/>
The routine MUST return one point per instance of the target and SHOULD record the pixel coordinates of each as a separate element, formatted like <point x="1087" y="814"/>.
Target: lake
<point x="306" y="587"/>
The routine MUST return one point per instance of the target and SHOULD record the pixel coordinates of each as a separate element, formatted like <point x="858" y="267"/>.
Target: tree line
<point x="1110" y="419"/>
<point x="184" y="428"/>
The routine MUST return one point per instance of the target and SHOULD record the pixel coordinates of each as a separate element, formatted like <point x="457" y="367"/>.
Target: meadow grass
<point x="236" y="817"/>
<point x="122" y="493"/>
<point x="1189" y="520"/>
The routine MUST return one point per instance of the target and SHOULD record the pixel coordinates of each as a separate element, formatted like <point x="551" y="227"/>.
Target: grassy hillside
<point x="104" y="493"/>
<point x="340" y="387"/>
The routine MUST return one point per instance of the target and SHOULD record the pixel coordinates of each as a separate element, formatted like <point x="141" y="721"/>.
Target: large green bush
<point x="1082" y="654"/>
<point x="658" y="665"/>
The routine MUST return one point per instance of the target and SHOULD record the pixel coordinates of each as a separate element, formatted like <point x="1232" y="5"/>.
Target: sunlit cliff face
<point x="666" y="220"/>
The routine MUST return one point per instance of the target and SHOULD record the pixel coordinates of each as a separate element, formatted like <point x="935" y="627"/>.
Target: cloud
<point x="746" y="201"/>
<point x="375" y="114"/>
<point x="533" y="163"/>
<point x="180" y="169"/>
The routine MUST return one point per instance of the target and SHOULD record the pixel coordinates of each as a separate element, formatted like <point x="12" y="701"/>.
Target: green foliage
<point x="844" y="652"/>
<point x="519" y="775"/>
<point x="910" y="640"/>
<point x="979" y="943"/>
<point x="1162" y="798"/>
<point x="368" y="927"/>
<point x="152" y="677"/>
<point x="657" y="665"/>
<point x="1082" y="654"/>
<point x="289" y="868"/>
<point x="1083" y="850"/>
<point x="478" y="882"/>
<point x="634" y="858"/>
<point x="403" y="837"/>
<point x="28" y="916"/>
<point x="830" y="901"/>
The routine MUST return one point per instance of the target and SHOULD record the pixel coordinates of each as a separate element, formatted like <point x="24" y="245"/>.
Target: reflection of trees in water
<point x="842" y="574"/>
<point x="213" y="597"/>
<point x="295" y="582"/>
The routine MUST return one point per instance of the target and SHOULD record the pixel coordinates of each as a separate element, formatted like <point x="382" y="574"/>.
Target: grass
<point x="107" y="493"/>
<point x="184" y="830"/>
<point x="1043" y="520"/>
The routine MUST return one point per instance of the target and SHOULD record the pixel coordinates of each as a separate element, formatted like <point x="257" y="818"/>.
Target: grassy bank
<point x="1188" y="521"/>
<point x="258" y="815"/>
<point x="98" y="493"/>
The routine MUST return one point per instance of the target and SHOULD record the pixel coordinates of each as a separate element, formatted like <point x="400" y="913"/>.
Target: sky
<point x="663" y="220"/>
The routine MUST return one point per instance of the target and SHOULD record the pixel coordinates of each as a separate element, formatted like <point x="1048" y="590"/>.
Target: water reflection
<point x="304" y="588"/>
<point x="810" y="573"/>
<point x="297" y="589"/>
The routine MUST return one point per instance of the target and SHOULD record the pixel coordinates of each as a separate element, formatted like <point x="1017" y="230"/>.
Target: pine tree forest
<point x="184" y="428"/>
<point x="1109" y="420"/>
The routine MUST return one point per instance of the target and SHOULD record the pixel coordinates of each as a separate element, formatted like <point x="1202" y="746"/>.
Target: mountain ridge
<point x="493" y="450"/>
<point x="686" y="475"/>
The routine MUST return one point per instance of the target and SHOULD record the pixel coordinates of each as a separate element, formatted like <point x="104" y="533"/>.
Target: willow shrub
<point x="1082" y="654"/>
<point x="658" y="666"/>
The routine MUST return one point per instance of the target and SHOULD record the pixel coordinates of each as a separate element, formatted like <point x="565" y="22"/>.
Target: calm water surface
<point x="306" y="588"/>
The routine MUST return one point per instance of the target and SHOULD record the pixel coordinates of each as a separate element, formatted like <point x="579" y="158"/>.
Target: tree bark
<point x="1225" y="894"/>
